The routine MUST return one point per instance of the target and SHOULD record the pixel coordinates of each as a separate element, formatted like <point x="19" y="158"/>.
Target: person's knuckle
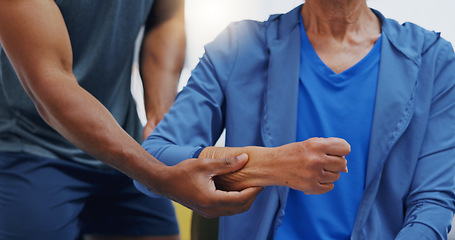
<point x="204" y="163"/>
<point x="324" y="175"/>
<point x="314" y="143"/>
<point x="316" y="165"/>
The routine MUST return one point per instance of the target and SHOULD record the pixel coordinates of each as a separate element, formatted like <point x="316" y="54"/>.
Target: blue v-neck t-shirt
<point x="332" y="105"/>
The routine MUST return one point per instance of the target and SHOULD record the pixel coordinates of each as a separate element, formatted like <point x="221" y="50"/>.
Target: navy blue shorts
<point x="42" y="198"/>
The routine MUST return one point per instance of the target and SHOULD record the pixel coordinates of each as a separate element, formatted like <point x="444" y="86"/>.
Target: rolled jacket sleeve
<point x="431" y="200"/>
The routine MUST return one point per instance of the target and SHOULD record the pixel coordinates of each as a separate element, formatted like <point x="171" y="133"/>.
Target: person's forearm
<point x="310" y="166"/>
<point x="162" y="58"/>
<point x="85" y="122"/>
<point x="160" y="68"/>
<point x="35" y="39"/>
<point x="259" y="170"/>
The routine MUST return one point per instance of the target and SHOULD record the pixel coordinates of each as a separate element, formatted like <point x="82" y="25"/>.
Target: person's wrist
<point x="151" y="173"/>
<point x="157" y="179"/>
<point x="264" y="172"/>
<point x="209" y="153"/>
<point x="260" y="170"/>
<point x="257" y="171"/>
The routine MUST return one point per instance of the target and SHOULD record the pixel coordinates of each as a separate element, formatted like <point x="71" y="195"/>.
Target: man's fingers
<point x="329" y="177"/>
<point x="227" y="165"/>
<point x="325" y="187"/>
<point x="238" y="198"/>
<point x="249" y="194"/>
<point x="320" y="188"/>
<point x="234" y="202"/>
<point x="336" y="164"/>
<point x="337" y="147"/>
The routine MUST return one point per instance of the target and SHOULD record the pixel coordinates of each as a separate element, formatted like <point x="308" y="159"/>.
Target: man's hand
<point x="191" y="184"/>
<point x="311" y="166"/>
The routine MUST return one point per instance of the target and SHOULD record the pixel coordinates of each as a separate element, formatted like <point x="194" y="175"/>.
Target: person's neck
<point x="337" y="18"/>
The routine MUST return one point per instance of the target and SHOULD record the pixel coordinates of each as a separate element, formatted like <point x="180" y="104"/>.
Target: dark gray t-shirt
<point x="103" y="34"/>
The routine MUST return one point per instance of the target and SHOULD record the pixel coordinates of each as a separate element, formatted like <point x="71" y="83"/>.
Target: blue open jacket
<point x="247" y="82"/>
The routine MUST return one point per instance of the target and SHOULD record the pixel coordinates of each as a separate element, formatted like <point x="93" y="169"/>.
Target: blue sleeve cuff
<point x="170" y="154"/>
<point x="198" y="152"/>
<point x="417" y="231"/>
<point x="195" y="153"/>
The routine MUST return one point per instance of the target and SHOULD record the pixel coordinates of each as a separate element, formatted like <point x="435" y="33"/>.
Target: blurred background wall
<point x="205" y="19"/>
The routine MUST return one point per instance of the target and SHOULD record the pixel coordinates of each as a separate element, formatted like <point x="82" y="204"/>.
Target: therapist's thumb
<point x="228" y="165"/>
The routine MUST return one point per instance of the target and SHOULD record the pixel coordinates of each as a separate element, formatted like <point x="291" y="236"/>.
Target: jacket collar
<point x="394" y="106"/>
<point x="407" y="38"/>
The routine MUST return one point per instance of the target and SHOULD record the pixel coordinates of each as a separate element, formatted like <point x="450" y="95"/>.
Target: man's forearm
<point x="257" y="172"/>
<point x="160" y="68"/>
<point x="311" y="166"/>
<point x="85" y="122"/>
<point x="162" y="58"/>
<point x="35" y="39"/>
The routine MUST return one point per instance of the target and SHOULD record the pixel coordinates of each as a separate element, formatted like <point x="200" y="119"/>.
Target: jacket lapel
<point x="279" y="121"/>
<point x="393" y="108"/>
<point x="394" y="105"/>
<point x="393" y="111"/>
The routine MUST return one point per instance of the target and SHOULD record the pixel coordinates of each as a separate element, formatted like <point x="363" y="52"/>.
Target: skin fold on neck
<point x="342" y="32"/>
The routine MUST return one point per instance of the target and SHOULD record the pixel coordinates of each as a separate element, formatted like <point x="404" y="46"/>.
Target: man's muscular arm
<point x="161" y="59"/>
<point x="35" y="39"/>
<point x="311" y="166"/>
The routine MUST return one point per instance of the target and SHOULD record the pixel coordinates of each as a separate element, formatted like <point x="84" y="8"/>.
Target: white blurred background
<point x="205" y="19"/>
